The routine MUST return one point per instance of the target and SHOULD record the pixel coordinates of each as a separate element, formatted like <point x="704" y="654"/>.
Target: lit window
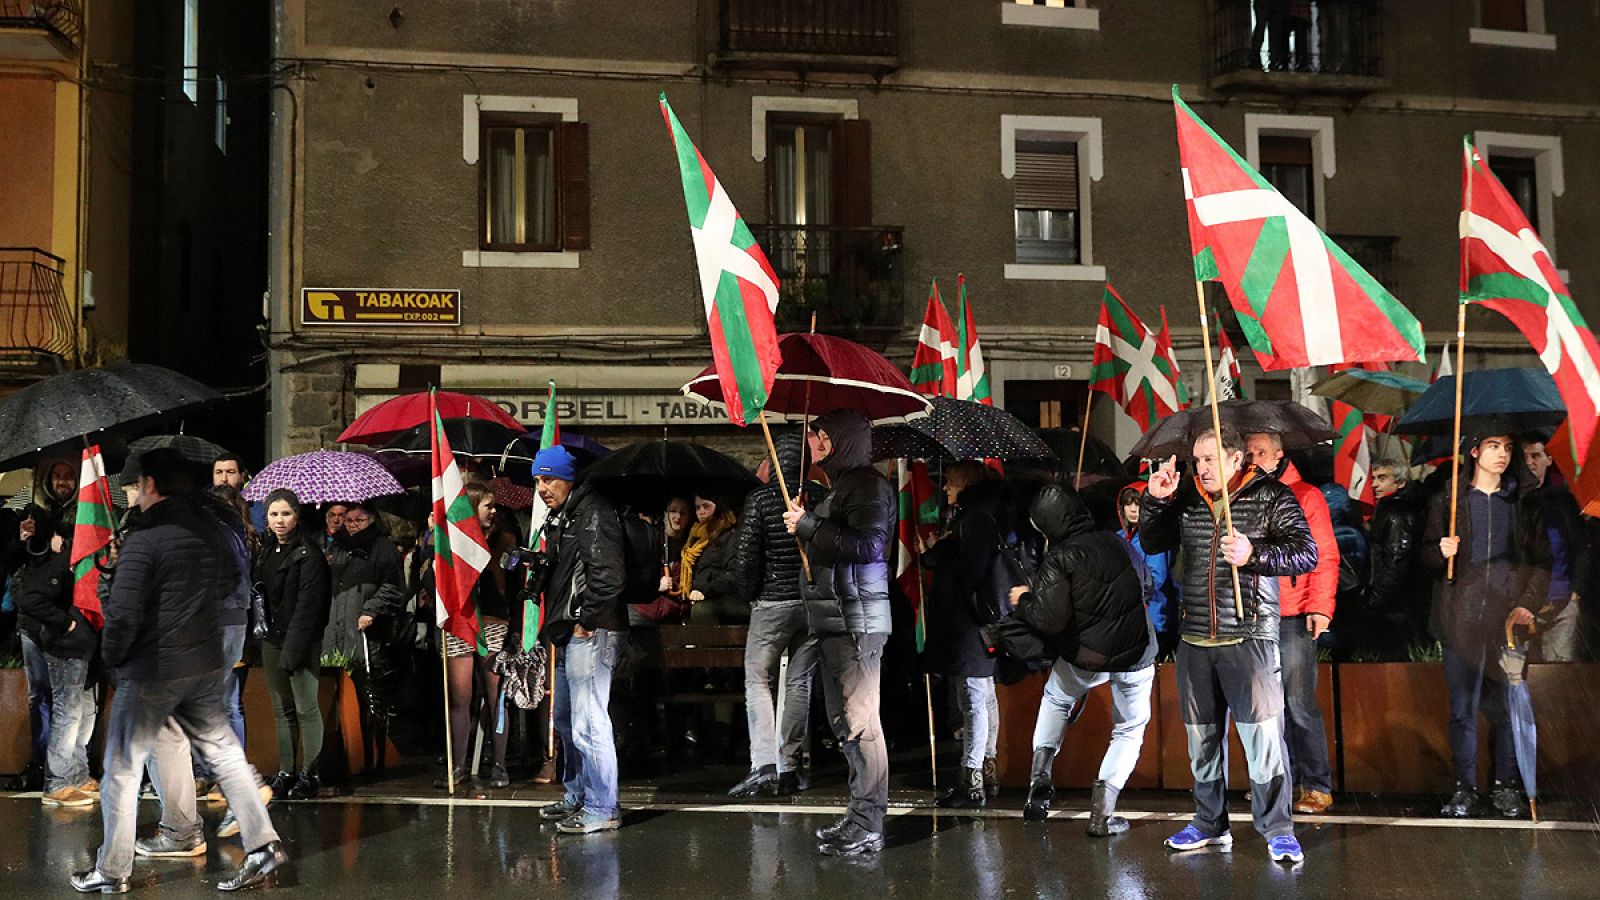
<point x="191" y="50"/>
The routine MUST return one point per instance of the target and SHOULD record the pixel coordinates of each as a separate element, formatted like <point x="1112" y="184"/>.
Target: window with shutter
<point x="1046" y="204"/>
<point x="1287" y="163"/>
<point x="533" y="184"/>
<point x="1520" y="175"/>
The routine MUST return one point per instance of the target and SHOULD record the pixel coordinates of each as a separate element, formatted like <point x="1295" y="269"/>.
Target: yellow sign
<point x="377" y="307"/>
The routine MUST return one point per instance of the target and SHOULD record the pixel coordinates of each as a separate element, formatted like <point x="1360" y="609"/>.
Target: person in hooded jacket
<point x="846" y="538"/>
<point x="368" y="593"/>
<point x="54" y="483"/>
<point x="1162" y="607"/>
<point x="1396" y="614"/>
<point x="1087" y="608"/>
<point x="970" y="589"/>
<point x="297" y="586"/>
<point x="767" y="563"/>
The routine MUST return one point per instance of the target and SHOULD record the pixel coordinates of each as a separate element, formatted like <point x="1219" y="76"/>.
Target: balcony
<point x="35" y="316"/>
<point x="1261" y="46"/>
<point x="811" y="35"/>
<point x="851" y="278"/>
<point x="50" y="30"/>
<point x="1373" y="252"/>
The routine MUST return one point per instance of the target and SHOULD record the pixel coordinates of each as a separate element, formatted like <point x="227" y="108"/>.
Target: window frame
<point x="191" y="50"/>
<point x="1086" y="133"/>
<point x="1533" y="37"/>
<point x="542" y="121"/>
<point x="1324" y="157"/>
<point x="1075" y="14"/>
<point x="1549" y="179"/>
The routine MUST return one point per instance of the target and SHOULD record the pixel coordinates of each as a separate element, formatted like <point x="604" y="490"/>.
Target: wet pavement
<point x="396" y="847"/>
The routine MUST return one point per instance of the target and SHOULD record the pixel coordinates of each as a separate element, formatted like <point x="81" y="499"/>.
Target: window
<point x="1051" y="162"/>
<point x="1295" y="154"/>
<point x="1286" y="163"/>
<point x="800" y="172"/>
<point x="1520" y="176"/>
<point x="519" y="185"/>
<point x="1530" y="167"/>
<point x="1505" y="15"/>
<point x="1512" y="23"/>
<point x="1046" y="206"/>
<point x="532" y="155"/>
<point x="1050" y="14"/>
<point x="191" y="50"/>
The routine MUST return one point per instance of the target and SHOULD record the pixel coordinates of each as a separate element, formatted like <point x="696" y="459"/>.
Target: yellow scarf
<point x="700" y="537"/>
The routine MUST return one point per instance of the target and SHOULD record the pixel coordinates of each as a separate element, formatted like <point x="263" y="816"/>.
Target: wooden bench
<point x="703" y="647"/>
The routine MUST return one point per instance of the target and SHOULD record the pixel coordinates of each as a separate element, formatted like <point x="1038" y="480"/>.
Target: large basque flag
<point x="91" y="535"/>
<point x="460" y="552"/>
<point x="1301" y="300"/>
<point x="1508" y="269"/>
<point x="737" y="283"/>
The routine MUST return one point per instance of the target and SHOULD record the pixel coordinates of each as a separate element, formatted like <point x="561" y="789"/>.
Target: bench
<point x="703" y="647"/>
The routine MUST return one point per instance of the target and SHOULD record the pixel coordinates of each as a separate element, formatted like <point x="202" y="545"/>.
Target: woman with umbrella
<point x="295" y="580"/>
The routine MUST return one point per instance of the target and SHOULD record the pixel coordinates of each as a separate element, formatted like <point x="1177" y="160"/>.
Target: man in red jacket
<point x="1305" y="603"/>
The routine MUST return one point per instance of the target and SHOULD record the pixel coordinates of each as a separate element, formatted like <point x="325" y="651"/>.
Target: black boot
<point x="260" y="867"/>
<point x="1040" y="790"/>
<point x="967" y="793"/>
<point x="1103" y="820"/>
<point x="991" y="776"/>
<point x="280" y="784"/>
<point x="306" y="787"/>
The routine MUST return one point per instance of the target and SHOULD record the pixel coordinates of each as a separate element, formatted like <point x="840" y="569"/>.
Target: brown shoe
<point x="90" y="787"/>
<point x="67" y="796"/>
<point x="1313" y="803"/>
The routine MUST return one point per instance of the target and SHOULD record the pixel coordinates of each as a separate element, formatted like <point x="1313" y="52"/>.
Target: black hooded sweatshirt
<point x="847" y="535"/>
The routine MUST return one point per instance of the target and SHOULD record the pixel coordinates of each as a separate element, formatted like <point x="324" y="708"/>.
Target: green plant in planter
<point x="332" y="660"/>
<point x="11" y="662"/>
<point x="1427" y="653"/>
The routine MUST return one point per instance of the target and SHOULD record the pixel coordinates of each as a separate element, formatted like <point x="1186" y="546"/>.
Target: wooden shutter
<point x="852" y="173"/>
<point x="572" y="156"/>
<point x="1046" y="176"/>
<point x="1505" y="15"/>
<point x="1285" y="150"/>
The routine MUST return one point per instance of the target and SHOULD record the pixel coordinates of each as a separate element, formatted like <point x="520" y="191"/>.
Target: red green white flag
<point x="1300" y="299"/>
<point x="1164" y="349"/>
<point x="460" y="552"/>
<point x="933" y="368"/>
<point x="918" y="520"/>
<point x="1129" y="367"/>
<point x="91" y="535"/>
<point x="972" y="379"/>
<point x="1229" y="383"/>
<point x="1352" y="454"/>
<point x="1507" y="268"/>
<point x="737" y="284"/>
<point x="1447" y="364"/>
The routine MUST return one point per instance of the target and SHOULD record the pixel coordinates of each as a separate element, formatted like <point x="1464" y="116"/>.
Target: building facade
<point x="483" y="196"/>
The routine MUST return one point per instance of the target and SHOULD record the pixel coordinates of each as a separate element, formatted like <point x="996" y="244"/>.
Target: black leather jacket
<point x="1265" y="511"/>
<point x="587" y="567"/>
<point x="1395" y="541"/>
<point x="298" y="587"/>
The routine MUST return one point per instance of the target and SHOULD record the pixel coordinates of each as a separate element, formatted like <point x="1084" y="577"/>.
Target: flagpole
<point x="1083" y="442"/>
<point x="927" y="680"/>
<point x="1460" y="374"/>
<point x="444" y="668"/>
<point x="783" y="486"/>
<point x="1216" y="430"/>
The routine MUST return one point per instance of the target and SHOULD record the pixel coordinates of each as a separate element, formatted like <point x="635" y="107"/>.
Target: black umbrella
<point x="1295" y="424"/>
<point x="1099" y="460"/>
<point x="585" y="449"/>
<point x="68" y="406"/>
<point x="650" y="471"/>
<point x="191" y="448"/>
<point x="1498" y="401"/>
<point x="960" y="429"/>
<point x="477" y="438"/>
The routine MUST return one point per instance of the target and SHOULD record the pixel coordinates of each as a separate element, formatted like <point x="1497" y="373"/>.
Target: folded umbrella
<point x="1382" y="393"/>
<point x="648" y="472"/>
<point x="821" y="373"/>
<point x="74" y="404"/>
<point x="325" y="476"/>
<point x="397" y="415"/>
<point x="1519" y="708"/>
<point x="1493" y="401"/>
<point x="475" y="438"/>
<point x="1295" y="424"/>
<point x="960" y="429"/>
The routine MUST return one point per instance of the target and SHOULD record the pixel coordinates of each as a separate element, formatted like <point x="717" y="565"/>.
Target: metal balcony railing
<point x="1375" y="253"/>
<point x="811" y="31"/>
<point x="34" y="312"/>
<point x="850" y="277"/>
<point x="62" y="19"/>
<point x="1316" y="37"/>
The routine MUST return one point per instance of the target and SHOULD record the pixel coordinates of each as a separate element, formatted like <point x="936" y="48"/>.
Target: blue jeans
<point x="1304" y="731"/>
<point x="140" y="712"/>
<point x="72" y="715"/>
<point x="38" y="671"/>
<point x="980" y="721"/>
<point x="583" y="722"/>
<point x="1469" y="687"/>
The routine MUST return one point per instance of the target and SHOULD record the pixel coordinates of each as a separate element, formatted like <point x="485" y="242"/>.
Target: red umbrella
<point x="820" y="373"/>
<point x="509" y="494"/>
<point x="395" y="416"/>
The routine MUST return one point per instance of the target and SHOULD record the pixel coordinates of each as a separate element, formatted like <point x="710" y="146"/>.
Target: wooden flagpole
<point x="783" y="487"/>
<point x="1460" y="374"/>
<point x="444" y="667"/>
<point x="1083" y="442"/>
<point x="1216" y="429"/>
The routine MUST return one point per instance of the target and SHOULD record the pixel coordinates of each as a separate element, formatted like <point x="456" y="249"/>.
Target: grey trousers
<point x="776" y="629"/>
<point x="851" y="667"/>
<point x="140" y="713"/>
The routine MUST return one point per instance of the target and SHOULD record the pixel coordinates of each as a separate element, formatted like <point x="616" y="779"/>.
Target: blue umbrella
<point x="1501" y="401"/>
<point x="1519" y="708"/>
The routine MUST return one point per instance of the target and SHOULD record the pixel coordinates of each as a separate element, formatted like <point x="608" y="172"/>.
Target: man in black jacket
<point x="1087" y="608"/>
<point x="1396" y="616"/>
<point x="1228" y="656"/>
<point x="587" y="618"/>
<point x="767" y="561"/>
<point x="847" y="607"/>
<point x="165" y="612"/>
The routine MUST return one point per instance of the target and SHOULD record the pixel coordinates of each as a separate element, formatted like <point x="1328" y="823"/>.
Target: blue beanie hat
<point x="555" y="462"/>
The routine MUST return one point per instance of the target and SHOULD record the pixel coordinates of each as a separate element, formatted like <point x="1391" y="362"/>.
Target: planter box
<point x="341" y="717"/>
<point x="1175" y="771"/>
<point x="1078" y="763"/>
<point x="16" y="737"/>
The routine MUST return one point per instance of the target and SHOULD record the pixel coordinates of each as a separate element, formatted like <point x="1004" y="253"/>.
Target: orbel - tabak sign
<point x="379" y="306"/>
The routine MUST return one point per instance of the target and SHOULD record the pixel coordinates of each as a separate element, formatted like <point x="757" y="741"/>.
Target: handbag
<point x="260" y="619"/>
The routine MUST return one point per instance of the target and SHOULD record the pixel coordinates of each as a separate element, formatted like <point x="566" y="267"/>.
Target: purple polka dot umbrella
<point x="325" y="476"/>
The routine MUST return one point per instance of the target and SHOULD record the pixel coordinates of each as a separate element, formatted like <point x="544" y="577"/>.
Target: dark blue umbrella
<point x="1493" y="401"/>
<point x="1519" y="707"/>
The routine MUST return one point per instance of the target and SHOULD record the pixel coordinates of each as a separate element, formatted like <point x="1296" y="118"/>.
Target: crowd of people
<point x="1024" y="576"/>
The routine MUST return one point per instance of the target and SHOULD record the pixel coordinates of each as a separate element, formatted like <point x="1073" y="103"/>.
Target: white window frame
<point x="1063" y="16"/>
<point x="1545" y="150"/>
<point x="219" y="134"/>
<point x="1324" y="161"/>
<point x="472" y="105"/>
<point x="191" y="50"/>
<point x="1086" y="133"/>
<point x="1534" y="38"/>
<point x="760" y="106"/>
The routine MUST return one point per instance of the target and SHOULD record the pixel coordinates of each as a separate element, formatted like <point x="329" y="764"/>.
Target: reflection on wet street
<point x="396" y="849"/>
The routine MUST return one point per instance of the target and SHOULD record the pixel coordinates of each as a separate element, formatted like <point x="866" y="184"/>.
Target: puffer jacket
<point x="1317" y="590"/>
<point x="173" y="590"/>
<point x="1267" y="513"/>
<point x="368" y="580"/>
<point x="586" y="577"/>
<point x="847" y="536"/>
<point x="298" y="587"/>
<point x="1087" y="601"/>
<point x="766" y="555"/>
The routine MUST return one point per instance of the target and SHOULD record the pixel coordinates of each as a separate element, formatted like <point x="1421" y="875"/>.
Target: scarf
<point x="700" y="537"/>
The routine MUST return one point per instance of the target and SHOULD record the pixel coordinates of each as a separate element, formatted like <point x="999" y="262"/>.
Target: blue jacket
<point x="1163" y="606"/>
